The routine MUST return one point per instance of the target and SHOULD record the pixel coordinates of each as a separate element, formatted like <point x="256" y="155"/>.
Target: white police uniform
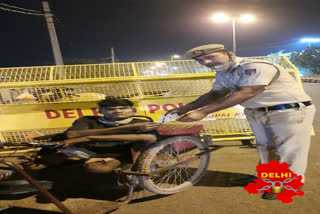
<point x="282" y="131"/>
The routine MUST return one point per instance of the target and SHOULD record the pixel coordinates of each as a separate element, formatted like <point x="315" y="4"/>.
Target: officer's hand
<point x="192" y="116"/>
<point x="179" y="111"/>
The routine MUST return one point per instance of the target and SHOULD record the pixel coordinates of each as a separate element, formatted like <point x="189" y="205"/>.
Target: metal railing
<point x="81" y="83"/>
<point x="137" y="81"/>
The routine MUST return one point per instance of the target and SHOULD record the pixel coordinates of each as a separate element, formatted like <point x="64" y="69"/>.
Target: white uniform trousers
<point x="283" y="135"/>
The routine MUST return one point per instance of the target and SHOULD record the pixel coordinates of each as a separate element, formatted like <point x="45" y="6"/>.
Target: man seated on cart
<point x="102" y="156"/>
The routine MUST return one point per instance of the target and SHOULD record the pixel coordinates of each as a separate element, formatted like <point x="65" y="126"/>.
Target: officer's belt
<point x="282" y="106"/>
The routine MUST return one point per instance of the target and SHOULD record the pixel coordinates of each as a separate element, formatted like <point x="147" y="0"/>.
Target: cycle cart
<point x="168" y="166"/>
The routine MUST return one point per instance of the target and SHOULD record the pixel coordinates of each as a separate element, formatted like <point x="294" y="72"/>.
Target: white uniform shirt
<point x="281" y="87"/>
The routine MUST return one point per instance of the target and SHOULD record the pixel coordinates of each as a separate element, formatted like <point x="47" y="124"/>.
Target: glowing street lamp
<point x="247" y="18"/>
<point x="175" y="56"/>
<point x="310" y="40"/>
<point x="222" y="17"/>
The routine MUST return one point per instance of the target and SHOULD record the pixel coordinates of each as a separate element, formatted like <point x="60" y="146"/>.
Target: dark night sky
<point x="142" y="30"/>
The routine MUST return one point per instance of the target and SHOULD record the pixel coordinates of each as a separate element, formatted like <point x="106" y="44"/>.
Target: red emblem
<point x="277" y="178"/>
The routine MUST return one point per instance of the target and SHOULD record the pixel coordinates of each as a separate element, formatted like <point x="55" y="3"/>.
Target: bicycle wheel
<point x="168" y="152"/>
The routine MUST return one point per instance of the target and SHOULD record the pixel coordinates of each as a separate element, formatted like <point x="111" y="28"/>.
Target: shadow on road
<point x="16" y="210"/>
<point x="220" y="179"/>
<point x="74" y="182"/>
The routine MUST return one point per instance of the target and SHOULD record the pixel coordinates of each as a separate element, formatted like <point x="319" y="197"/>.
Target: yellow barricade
<point x="50" y="98"/>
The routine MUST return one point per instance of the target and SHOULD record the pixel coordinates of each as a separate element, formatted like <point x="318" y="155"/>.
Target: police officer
<point x="279" y="112"/>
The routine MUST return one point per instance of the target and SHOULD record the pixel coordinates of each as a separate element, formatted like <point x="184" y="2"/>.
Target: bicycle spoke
<point x="180" y="176"/>
<point x="167" y="175"/>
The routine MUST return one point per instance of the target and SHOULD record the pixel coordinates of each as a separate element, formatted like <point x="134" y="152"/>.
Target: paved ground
<point x="213" y="194"/>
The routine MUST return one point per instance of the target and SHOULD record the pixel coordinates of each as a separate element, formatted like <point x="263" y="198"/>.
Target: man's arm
<point x="79" y="124"/>
<point x="238" y="97"/>
<point x="206" y="99"/>
<point x="124" y="129"/>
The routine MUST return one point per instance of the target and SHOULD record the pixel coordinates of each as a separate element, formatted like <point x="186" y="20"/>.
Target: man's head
<point x="214" y="56"/>
<point x="114" y="108"/>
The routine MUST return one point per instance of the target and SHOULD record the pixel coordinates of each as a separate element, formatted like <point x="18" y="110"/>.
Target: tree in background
<point x="309" y="59"/>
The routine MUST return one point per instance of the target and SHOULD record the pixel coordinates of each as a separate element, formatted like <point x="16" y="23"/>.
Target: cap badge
<point x="198" y="52"/>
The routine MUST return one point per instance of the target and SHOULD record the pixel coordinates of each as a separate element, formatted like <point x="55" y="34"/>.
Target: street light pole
<point x="53" y="35"/>
<point x="222" y="17"/>
<point x="234" y="45"/>
<point x="176" y="56"/>
<point x="113" y="60"/>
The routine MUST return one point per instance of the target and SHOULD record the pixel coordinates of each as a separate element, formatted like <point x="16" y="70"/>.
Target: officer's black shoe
<point x="244" y="181"/>
<point x="269" y="196"/>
